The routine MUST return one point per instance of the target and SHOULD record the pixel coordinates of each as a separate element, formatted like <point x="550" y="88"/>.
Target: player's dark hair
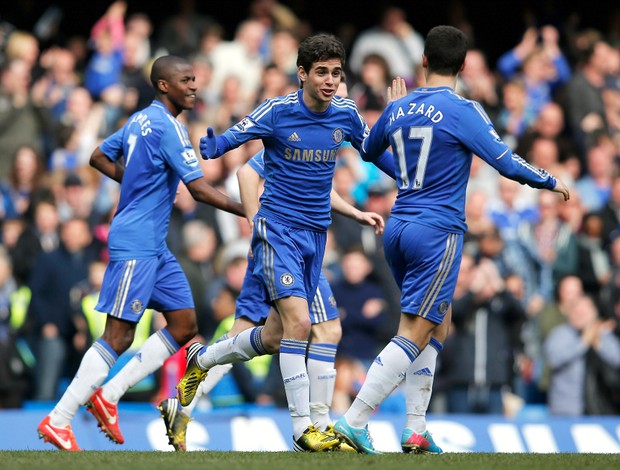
<point x="163" y="67"/>
<point x="318" y="48"/>
<point x="445" y="49"/>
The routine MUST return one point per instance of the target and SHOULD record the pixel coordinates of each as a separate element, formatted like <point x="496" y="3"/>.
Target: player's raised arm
<point x="397" y="90"/>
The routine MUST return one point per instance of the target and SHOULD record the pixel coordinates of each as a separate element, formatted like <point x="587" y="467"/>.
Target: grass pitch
<point x="39" y="460"/>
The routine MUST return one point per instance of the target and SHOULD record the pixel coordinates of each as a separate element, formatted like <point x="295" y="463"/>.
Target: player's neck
<point x="313" y="104"/>
<point x="434" y="80"/>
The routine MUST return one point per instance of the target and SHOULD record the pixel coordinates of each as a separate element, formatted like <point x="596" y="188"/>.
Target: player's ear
<point x="301" y="74"/>
<point x="162" y="85"/>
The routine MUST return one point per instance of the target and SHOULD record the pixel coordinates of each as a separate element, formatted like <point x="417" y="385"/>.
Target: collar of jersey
<point x="159" y="104"/>
<point x="434" y="89"/>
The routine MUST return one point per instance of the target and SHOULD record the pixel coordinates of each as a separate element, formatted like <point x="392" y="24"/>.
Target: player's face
<point x="182" y="87"/>
<point x="321" y="83"/>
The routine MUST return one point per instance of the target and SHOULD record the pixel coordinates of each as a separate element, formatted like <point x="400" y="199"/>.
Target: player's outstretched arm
<point x="204" y="192"/>
<point x="103" y="164"/>
<point x="366" y="218"/>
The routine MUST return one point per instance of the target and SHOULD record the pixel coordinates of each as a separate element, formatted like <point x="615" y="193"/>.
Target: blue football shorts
<point x="425" y="263"/>
<point x="131" y="286"/>
<point x="288" y="260"/>
<point x="253" y="302"/>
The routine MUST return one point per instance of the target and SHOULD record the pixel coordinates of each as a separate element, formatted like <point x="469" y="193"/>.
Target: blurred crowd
<point x="537" y="307"/>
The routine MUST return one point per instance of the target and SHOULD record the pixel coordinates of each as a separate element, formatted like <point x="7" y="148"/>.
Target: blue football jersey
<point x="257" y="162"/>
<point x="157" y="154"/>
<point x="434" y="133"/>
<point x="300" y="155"/>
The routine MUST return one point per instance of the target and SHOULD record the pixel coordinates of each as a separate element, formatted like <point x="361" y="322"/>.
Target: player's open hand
<point x="561" y="188"/>
<point x="208" y="145"/>
<point x="397" y="90"/>
<point x="373" y="219"/>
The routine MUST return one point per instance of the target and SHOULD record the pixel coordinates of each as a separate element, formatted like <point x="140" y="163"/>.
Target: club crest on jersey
<point x="189" y="157"/>
<point x="332" y="301"/>
<point x="495" y="135"/>
<point x="338" y="136"/>
<point x="443" y="307"/>
<point x="287" y="279"/>
<point x="137" y="306"/>
<point x="244" y="124"/>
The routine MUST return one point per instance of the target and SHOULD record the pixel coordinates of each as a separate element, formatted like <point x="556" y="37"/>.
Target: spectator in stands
<point x="107" y="36"/>
<point x="284" y="46"/>
<point x="23" y="180"/>
<point x="180" y="33"/>
<point x="610" y="212"/>
<point x="22" y="120"/>
<point x="41" y="234"/>
<point x="138" y="91"/>
<point x="545" y="153"/>
<point x="478" y="357"/>
<point x="511" y="209"/>
<point x="21" y="45"/>
<point x="566" y="351"/>
<point x="584" y="99"/>
<point x="568" y="290"/>
<point x="362" y="312"/>
<point x="515" y="116"/>
<point x="594" y="266"/>
<point x="477" y="217"/>
<point x="140" y="25"/>
<point x="594" y="187"/>
<point x="477" y="82"/>
<point x="14" y="373"/>
<point x="232" y="105"/>
<point x="611" y="292"/>
<point x="551" y="241"/>
<point x="274" y="82"/>
<point x="374" y="78"/>
<point x="395" y="40"/>
<point x="555" y="313"/>
<point x="572" y="212"/>
<point x="75" y="198"/>
<point x="275" y="17"/>
<point x="76" y="131"/>
<point x="543" y="68"/>
<point x="550" y="123"/>
<point x="53" y="276"/>
<point x="197" y="260"/>
<point x="240" y="58"/>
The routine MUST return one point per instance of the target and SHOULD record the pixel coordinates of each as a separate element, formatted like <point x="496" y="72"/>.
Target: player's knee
<point x="329" y="332"/>
<point x="303" y="328"/>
